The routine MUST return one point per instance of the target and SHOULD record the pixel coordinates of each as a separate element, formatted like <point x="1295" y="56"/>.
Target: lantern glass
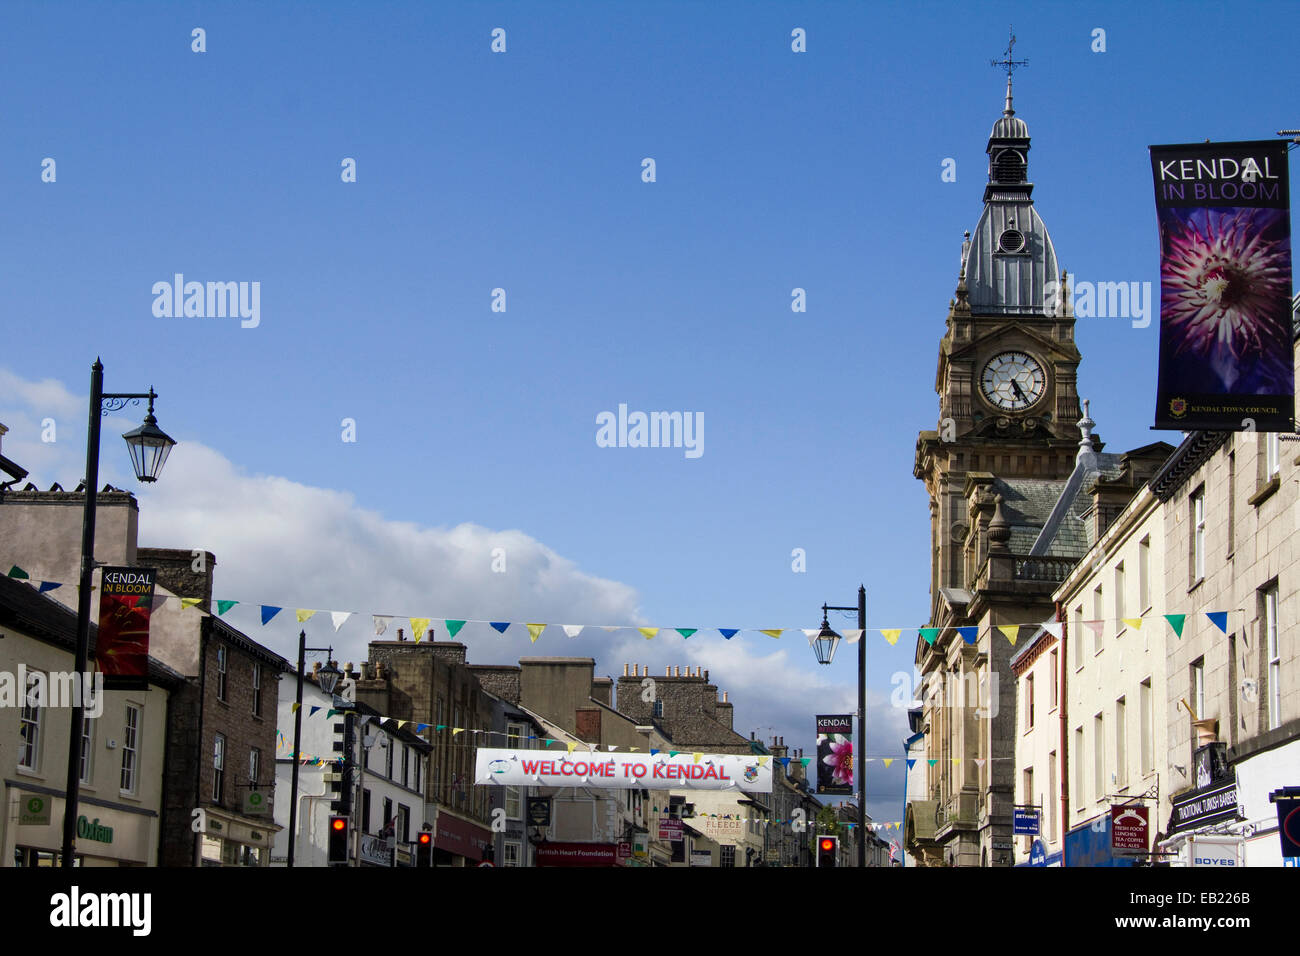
<point x="328" y="676"/>
<point x="149" y="446"/>
<point x="825" y="643"/>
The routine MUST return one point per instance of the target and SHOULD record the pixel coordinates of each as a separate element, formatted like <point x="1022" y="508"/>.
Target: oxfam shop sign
<point x="91" y="830"/>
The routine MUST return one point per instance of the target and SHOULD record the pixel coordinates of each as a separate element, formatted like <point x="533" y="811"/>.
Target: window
<point x="1028" y="796"/>
<point x="1196" y="683"/>
<point x="514" y="803"/>
<point x="257" y="690"/>
<point x="658" y="708"/>
<point x="221" y="672"/>
<point x="1198" y="535"/>
<point x="389" y="746"/>
<point x="403" y="823"/>
<point x="1098" y="615"/>
<point x="1052" y="796"/>
<point x="1077" y="633"/>
<point x="365" y="811"/>
<point x="1119" y="596"/>
<point x="1121" y="745"/>
<point x="1272" y="456"/>
<point x="1029" y="702"/>
<point x="130" y="748"/>
<point x="1273" y="656"/>
<point x="415" y="771"/>
<point x="1146" y="705"/>
<point x="1144" y="574"/>
<point x="727" y="856"/>
<point x="1078" y="766"/>
<point x="406" y="765"/>
<point x="1055" y="679"/>
<point x="254" y="766"/>
<point x="87" y="748"/>
<point x="511" y="855"/>
<point x="388" y="816"/>
<point x="29" y="725"/>
<point x="218" y="766"/>
<point x="1099" y="755"/>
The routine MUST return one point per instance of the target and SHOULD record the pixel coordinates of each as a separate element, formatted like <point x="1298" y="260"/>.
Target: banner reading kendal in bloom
<point x="122" y="642"/>
<point x="631" y="771"/>
<point x="1225" y="287"/>
<point x="835" y="754"/>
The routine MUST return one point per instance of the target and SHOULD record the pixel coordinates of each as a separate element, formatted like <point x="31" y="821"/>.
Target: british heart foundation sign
<point x="1129" y="828"/>
<point x="122" y="642"/>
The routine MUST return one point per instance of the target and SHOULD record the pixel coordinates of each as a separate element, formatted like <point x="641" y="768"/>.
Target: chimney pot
<point x="400" y="635"/>
<point x="315" y="668"/>
<point x="429" y="635"/>
<point x="668" y="671"/>
<point x="625" y="670"/>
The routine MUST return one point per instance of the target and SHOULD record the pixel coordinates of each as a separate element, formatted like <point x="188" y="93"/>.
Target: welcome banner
<point x="835" y="753"/>
<point x="122" y="644"/>
<point x="613" y="771"/>
<point x="1225" y="287"/>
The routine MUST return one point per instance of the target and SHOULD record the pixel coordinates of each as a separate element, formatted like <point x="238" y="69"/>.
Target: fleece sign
<point x="615" y="771"/>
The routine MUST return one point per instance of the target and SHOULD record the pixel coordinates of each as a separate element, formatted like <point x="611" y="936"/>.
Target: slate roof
<point x="1027" y="503"/>
<point x="25" y="609"/>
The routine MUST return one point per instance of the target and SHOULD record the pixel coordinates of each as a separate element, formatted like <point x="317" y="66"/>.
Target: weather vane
<point x="1008" y="62"/>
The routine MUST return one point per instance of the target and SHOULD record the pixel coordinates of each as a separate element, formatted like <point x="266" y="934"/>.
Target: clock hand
<point x="1015" y="386"/>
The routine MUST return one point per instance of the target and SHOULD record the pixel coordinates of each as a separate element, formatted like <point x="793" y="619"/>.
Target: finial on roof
<point x="1087" y="455"/>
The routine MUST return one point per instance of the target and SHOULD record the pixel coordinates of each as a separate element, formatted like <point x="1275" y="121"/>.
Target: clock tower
<point x="1006" y="376"/>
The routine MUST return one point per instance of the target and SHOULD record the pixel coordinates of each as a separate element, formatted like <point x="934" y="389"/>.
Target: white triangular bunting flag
<point x="853" y="635"/>
<point x="338" y="617"/>
<point x="811" y="633"/>
<point x="572" y="630"/>
<point x="1053" y="628"/>
<point x="381" y="622"/>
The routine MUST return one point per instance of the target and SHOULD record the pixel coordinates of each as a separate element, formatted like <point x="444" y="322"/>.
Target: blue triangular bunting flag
<point x="50" y="586"/>
<point x="968" y="634"/>
<point x="728" y="632"/>
<point x="1220" y="619"/>
<point x="500" y="625"/>
<point x="269" y="612"/>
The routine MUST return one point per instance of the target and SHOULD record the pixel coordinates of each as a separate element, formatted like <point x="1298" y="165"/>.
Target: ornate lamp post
<point x="824" y="645"/>
<point x="149" y="447"/>
<point x="328" y="678"/>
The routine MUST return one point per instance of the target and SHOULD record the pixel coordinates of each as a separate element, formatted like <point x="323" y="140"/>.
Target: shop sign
<point x="91" y="830"/>
<point x="1129" y="828"/>
<point x="1203" y="808"/>
<point x="375" y="850"/>
<point x="1025" y="821"/>
<point x="255" y="802"/>
<point x="34" y="811"/>
<point x="670" y="829"/>
<point x="1207" y="851"/>
<point x="701" y="858"/>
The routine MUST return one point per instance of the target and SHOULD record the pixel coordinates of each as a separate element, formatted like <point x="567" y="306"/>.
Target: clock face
<point x="1013" y="381"/>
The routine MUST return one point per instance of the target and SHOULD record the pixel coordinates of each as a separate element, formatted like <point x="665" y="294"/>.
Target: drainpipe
<point x="1062" y="709"/>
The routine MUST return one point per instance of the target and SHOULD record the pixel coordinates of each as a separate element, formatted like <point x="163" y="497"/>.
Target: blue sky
<point x="522" y="171"/>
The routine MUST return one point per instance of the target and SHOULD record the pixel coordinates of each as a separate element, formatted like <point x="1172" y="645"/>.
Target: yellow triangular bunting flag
<point x="697" y="757"/>
<point x="457" y="730"/>
<point x="419" y="627"/>
<point x="189" y="602"/>
<point x="889" y="760"/>
<point x="571" y="746"/>
<point x="295" y="707"/>
<point x="891" y="635"/>
<point x="775" y="632"/>
<point x="1010" y="631"/>
<point x="535" y="631"/>
<point x="1134" y="622"/>
<point x="648" y="632"/>
<point x="762" y="761"/>
<point x="304" y="614"/>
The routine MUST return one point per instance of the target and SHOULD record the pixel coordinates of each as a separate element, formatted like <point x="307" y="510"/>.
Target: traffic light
<point x="424" y="849"/>
<point x="828" y="849"/>
<point x="338" y="841"/>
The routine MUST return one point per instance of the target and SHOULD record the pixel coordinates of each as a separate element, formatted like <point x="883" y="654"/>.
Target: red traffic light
<point x="827" y="844"/>
<point x="424" y="839"/>
<point x="338" y="823"/>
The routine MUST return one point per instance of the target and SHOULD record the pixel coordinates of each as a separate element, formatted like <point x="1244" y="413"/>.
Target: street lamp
<point x="328" y="676"/>
<point x="824" y="645"/>
<point x="149" y="447"/>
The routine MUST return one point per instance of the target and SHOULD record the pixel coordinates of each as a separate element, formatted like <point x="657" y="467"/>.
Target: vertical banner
<point x="122" y="646"/>
<point x="835" y="754"/>
<point x="1225" y="287"/>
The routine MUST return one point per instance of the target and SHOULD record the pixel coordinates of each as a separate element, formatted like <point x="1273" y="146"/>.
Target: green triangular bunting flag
<point x="17" y="572"/>
<point x="929" y="634"/>
<point x="453" y="627"/>
<point x="1176" y="621"/>
<point x="224" y="606"/>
